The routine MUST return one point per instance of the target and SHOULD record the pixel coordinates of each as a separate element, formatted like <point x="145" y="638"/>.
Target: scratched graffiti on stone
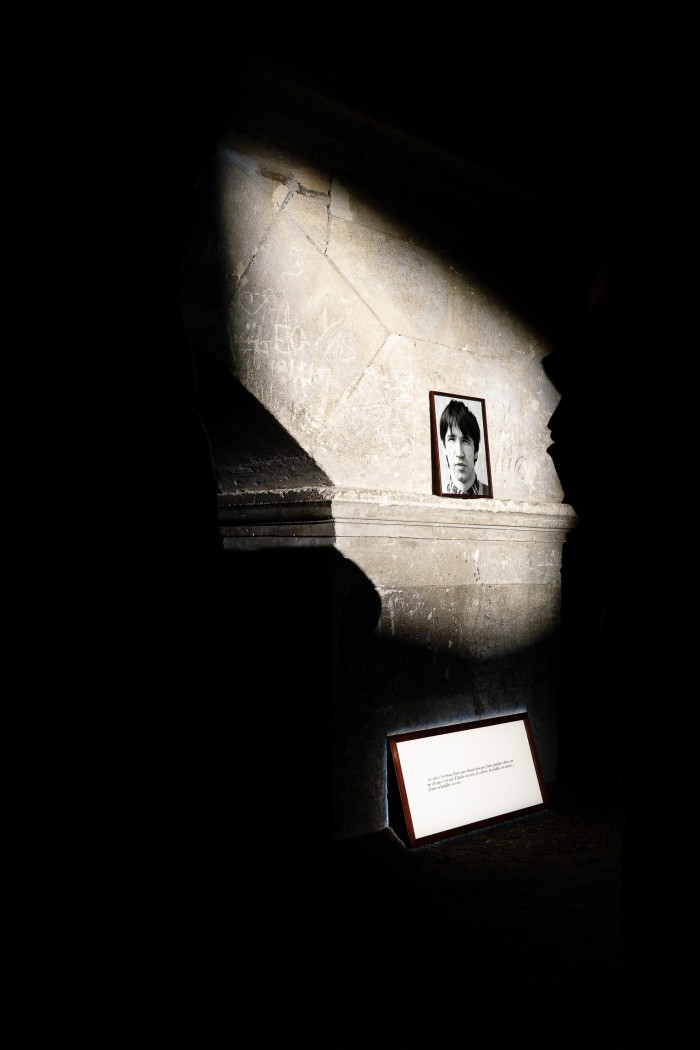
<point x="298" y="358"/>
<point x="270" y="325"/>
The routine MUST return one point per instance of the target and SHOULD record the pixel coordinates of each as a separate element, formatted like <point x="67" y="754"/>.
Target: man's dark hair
<point x="457" y="414"/>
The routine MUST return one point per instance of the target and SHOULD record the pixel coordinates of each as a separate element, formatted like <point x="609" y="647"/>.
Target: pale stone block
<point x="301" y="335"/>
<point x="375" y="436"/>
<point x="247" y="210"/>
<point x="406" y="287"/>
<point x="310" y="213"/>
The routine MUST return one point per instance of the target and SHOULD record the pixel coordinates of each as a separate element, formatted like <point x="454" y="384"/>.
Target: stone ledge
<point x="330" y="513"/>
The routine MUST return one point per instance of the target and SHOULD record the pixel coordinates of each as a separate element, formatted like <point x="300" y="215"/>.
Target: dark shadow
<point x="249" y="446"/>
<point x="225" y="816"/>
<point x="613" y="450"/>
<point x="396" y="816"/>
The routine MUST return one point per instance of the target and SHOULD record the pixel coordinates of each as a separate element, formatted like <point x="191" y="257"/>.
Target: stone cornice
<point x="318" y="513"/>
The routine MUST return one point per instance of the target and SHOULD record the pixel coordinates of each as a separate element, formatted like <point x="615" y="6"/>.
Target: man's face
<point x="460" y="457"/>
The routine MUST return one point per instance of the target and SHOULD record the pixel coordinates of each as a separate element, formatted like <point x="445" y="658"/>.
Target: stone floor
<point x="511" y="935"/>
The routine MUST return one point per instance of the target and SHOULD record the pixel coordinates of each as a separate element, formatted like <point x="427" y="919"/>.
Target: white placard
<point x="459" y="776"/>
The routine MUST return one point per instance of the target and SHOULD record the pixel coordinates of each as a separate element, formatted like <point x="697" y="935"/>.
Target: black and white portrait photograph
<point x="461" y="464"/>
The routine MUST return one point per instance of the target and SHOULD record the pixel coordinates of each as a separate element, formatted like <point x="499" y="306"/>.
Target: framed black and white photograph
<point x="460" y="446"/>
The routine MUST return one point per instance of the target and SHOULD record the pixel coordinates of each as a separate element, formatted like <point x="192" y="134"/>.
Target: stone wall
<point x="331" y="308"/>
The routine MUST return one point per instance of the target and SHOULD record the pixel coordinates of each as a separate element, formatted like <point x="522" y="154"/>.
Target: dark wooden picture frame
<point x="458" y="778"/>
<point x="481" y="487"/>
